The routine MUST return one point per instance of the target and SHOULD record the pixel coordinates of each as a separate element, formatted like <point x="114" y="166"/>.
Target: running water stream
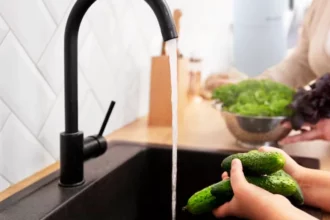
<point x="171" y="48"/>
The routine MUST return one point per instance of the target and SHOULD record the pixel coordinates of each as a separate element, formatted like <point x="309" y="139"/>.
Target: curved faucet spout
<point x="165" y="19"/>
<point x="72" y="153"/>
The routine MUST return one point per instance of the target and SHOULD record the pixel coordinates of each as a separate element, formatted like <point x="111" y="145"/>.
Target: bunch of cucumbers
<point x="263" y="169"/>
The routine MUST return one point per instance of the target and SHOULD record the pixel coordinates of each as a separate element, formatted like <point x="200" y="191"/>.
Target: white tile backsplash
<point x="50" y="133"/>
<point x="57" y="8"/>
<point x="119" y="7"/>
<point x="21" y="154"/>
<point x="22" y="87"/>
<point x="148" y="28"/>
<point x="3" y="29"/>
<point x="103" y="22"/>
<point x="51" y="63"/>
<point x="146" y="20"/>
<point x="133" y="96"/>
<point x="4" y="184"/>
<point x="4" y="114"/>
<point x="128" y="30"/>
<point x="95" y="67"/>
<point x="116" y="41"/>
<point x="54" y="125"/>
<point x="31" y="23"/>
<point x="91" y="115"/>
<point x="108" y="34"/>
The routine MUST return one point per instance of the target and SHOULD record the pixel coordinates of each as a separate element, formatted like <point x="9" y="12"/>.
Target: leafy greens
<point x="255" y="98"/>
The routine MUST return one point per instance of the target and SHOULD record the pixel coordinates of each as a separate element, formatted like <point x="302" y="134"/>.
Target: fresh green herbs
<point x="255" y="98"/>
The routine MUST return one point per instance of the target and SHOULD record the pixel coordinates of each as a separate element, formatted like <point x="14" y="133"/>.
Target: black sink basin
<point x="130" y="182"/>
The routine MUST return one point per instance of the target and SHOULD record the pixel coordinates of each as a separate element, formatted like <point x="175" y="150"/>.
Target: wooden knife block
<point x="160" y="105"/>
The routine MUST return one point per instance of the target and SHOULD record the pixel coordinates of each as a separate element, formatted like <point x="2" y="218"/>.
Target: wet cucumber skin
<point x="256" y="163"/>
<point x="201" y="202"/>
<point x="204" y="200"/>
<point x="219" y="193"/>
<point x="274" y="184"/>
<point x="297" y="197"/>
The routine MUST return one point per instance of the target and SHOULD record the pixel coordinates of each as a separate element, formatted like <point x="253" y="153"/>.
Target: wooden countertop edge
<point x="29" y="181"/>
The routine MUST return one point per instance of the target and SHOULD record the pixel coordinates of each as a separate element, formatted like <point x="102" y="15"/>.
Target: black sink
<point x="130" y="182"/>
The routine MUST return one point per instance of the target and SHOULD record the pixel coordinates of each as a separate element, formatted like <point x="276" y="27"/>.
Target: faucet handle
<point x="97" y="145"/>
<point x="107" y="116"/>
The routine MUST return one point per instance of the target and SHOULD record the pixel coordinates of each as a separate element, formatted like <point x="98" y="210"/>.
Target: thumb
<point x="237" y="178"/>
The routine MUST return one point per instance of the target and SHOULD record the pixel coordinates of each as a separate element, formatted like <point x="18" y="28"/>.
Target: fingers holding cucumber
<point x="224" y="176"/>
<point x="237" y="178"/>
<point x="245" y="190"/>
<point x="256" y="163"/>
<point x="290" y="166"/>
<point x="240" y="188"/>
<point x="250" y="172"/>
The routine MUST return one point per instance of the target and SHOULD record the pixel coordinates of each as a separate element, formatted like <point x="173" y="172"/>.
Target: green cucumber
<point x="298" y="197"/>
<point x="203" y="200"/>
<point x="256" y="163"/>
<point x="219" y="193"/>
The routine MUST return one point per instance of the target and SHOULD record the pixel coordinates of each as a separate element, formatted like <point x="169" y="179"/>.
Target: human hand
<point x="216" y="80"/>
<point x="314" y="184"/>
<point x="244" y="193"/>
<point x="291" y="166"/>
<point x="320" y="131"/>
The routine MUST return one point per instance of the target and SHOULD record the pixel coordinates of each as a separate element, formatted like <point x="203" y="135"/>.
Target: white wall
<point x="206" y="32"/>
<point x="116" y="41"/>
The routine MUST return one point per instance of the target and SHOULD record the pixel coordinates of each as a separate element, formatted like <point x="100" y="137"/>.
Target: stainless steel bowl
<point x="255" y="131"/>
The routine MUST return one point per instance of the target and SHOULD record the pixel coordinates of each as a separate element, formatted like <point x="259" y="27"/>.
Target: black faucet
<point x="75" y="149"/>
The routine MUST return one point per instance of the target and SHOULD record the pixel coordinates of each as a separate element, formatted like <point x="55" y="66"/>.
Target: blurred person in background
<point x="309" y="60"/>
<point x="311" y="57"/>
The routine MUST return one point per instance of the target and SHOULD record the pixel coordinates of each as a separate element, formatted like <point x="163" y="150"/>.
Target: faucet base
<point x="70" y="185"/>
<point x="72" y="159"/>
